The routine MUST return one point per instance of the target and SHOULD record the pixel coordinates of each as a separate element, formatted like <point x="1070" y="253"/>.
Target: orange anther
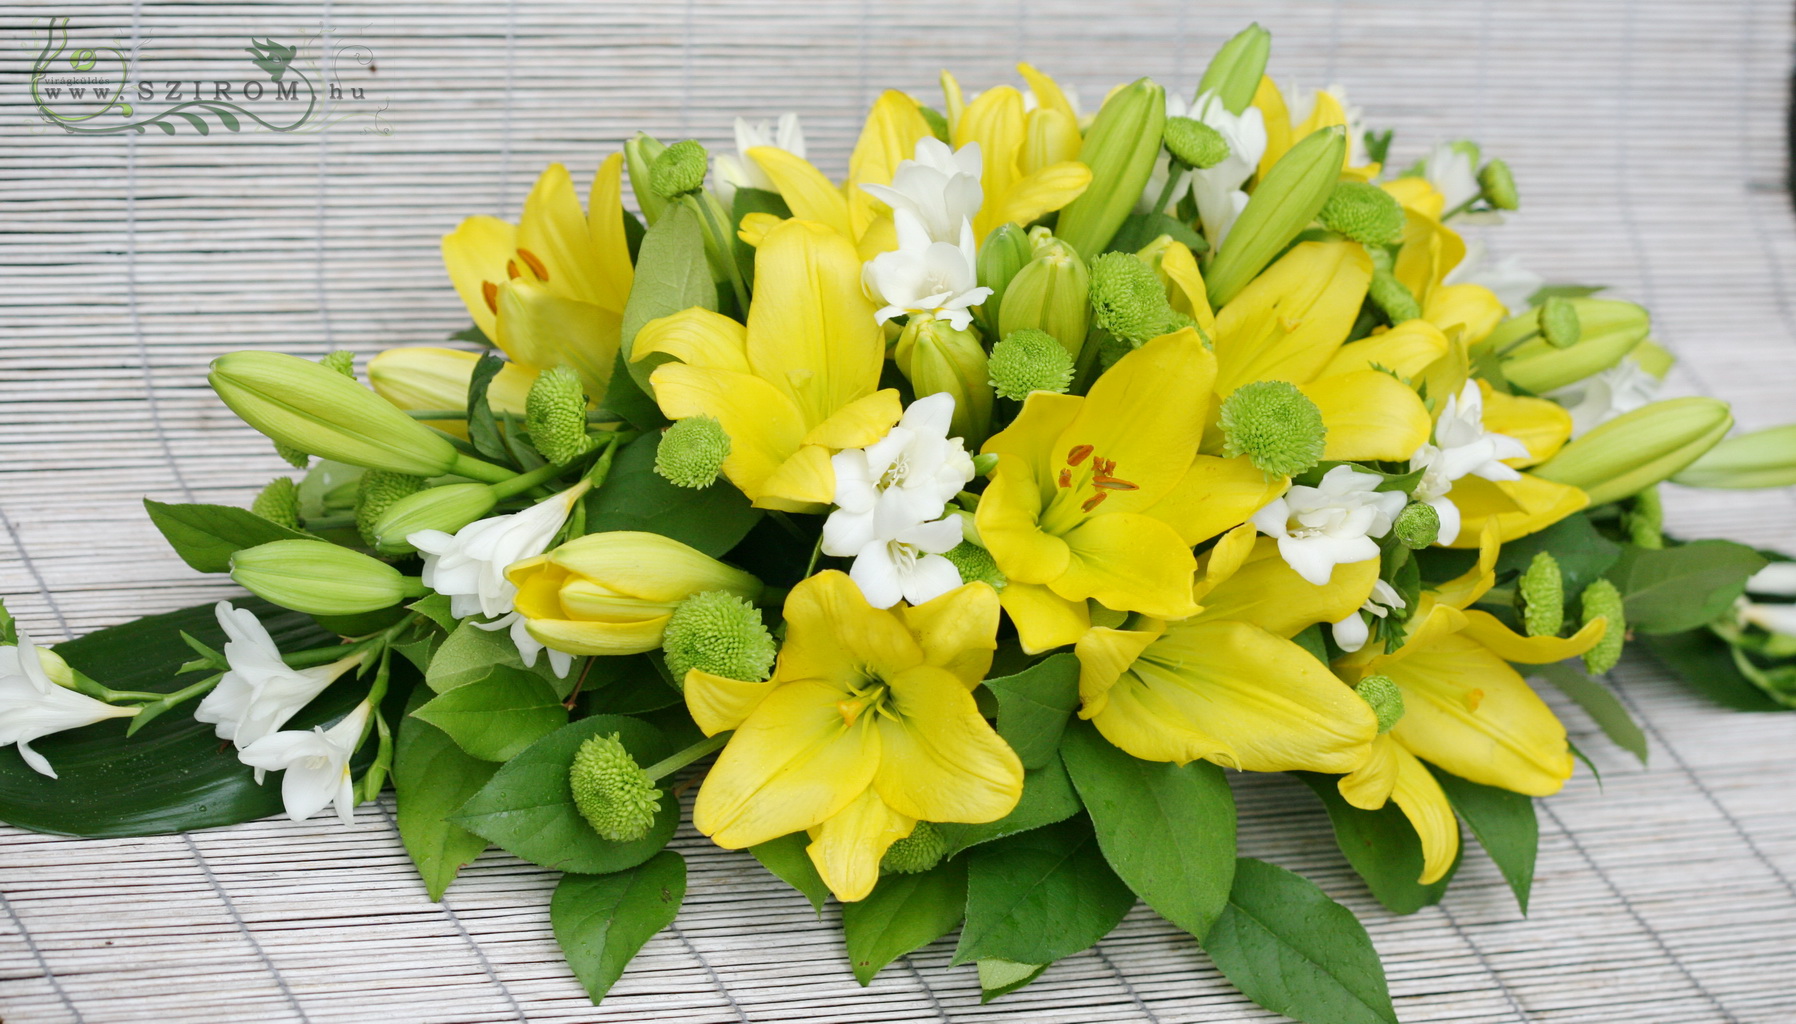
<point x="1113" y="484"/>
<point x="1078" y="454"/>
<point x="537" y="266"/>
<point x="1092" y="502"/>
<point x="511" y="269"/>
<point x="1066" y="478"/>
<point x="490" y="292"/>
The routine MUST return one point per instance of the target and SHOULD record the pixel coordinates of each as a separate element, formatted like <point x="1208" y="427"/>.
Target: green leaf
<point x="600" y="921"/>
<point x="431" y="778"/>
<point x="635" y="497"/>
<point x="1291" y="949"/>
<point x="174" y="774"/>
<point x="1598" y="701"/>
<point x="1505" y="825"/>
<point x="624" y="397"/>
<point x="627" y="684"/>
<point x="471" y="334"/>
<point x="1382" y="846"/>
<point x="435" y="607"/>
<point x="1138" y="229"/>
<point x="1167" y="830"/>
<point x="1034" y="705"/>
<point x="9" y="627"/>
<point x="483" y="429"/>
<point x="1002" y="977"/>
<point x="903" y="913"/>
<point x="528" y="808"/>
<point x="672" y="274"/>
<point x="1583" y="554"/>
<point x="1667" y="590"/>
<point x="787" y="859"/>
<point x="747" y="201"/>
<point x="1038" y="896"/>
<point x="1564" y="291"/>
<point x="206" y="536"/>
<point x="1048" y="797"/>
<point x="469" y="653"/>
<point x="497" y="716"/>
<point x="1706" y="663"/>
<point x="1310" y="639"/>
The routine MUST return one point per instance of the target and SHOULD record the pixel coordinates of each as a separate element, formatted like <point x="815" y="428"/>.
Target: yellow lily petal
<point x="1224" y="559"/>
<point x="1407" y="348"/>
<point x="1043" y="619"/>
<point x="1268" y="593"/>
<point x="475" y="254"/>
<point x="881" y="236"/>
<point x="808" y="194"/>
<point x="764" y="426"/>
<point x="860" y="422"/>
<point x="1278" y="123"/>
<point x="1047" y="189"/>
<point x="1420" y="797"/>
<point x="1048" y="94"/>
<point x="1031" y="437"/>
<point x="754" y="227"/>
<point x="1326" y="112"/>
<point x="1187" y="294"/>
<point x="833" y="635"/>
<point x="1214" y="495"/>
<point x="1288" y="323"/>
<point x="1465" y="590"/>
<point x="1008" y="522"/>
<point x="1417" y="195"/>
<point x="1370" y="416"/>
<point x="598" y="638"/>
<point x="802" y="483"/>
<point x="718" y="704"/>
<point x="957" y="631"/>
<point x="1518" y="507"/>
<point x="1128" y="561"/>
<point x="1473" y="308"/>
<point x="810" y="329"/>
<point x="1509" y="645"/>
<point x="1541" y="425"/>
<point x="995" y="120"/>
<point x="792" y="764"/>
<point x="1429" y="249"/>
<point x="1104" y="655"/>
<point x="848" y="846"/>
<point x="939" y="758"/>
<point x="605" y="225"/>
<point x="1050" y="137"/>
<point x="540" y="330"/>
<point x="696" y="337"/>
<point x="553" y="231"/>
<point x="893" y="128"/>
<point x="1369" y="786"/>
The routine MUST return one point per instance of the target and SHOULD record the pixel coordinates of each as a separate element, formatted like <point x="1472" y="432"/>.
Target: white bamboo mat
<point x="1647" y="137"/>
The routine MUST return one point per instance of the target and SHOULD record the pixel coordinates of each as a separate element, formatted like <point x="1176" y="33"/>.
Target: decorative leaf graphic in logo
<point x="271" y="56"/>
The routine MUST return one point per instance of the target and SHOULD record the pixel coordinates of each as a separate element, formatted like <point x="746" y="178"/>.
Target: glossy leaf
<point x="483" y="429"/>
<point x="431" y="778"/>
<point x="635" y="497"/>
<point x="1599" y="702"/>
<point x="1382" y="846"/>
<point x="903" y="913"/>
<point x="1505" y="825"/>
<point x="469" y="653"/>
<point x="1667" y="590"/>
<point x="1048" y="797"/>
<point x="1583" y="554"/>
<point x="1002" y="977"/>
<point x="672" y="274"/>
<point x="206" y="536"/>
<point x="787" y="859"/>
<point x="498" y="715"/>
<point x="601" y="921"/>
<point x="1034" y="706"/>
<point x="1037" y="896"/>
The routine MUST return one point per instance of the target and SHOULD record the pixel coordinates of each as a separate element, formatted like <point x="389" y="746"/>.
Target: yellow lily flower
<point x="550" y="290"/>
<point x="1282" y="132"/>
<point x="867" y="726"/>
<point x="1228" y="685"/>
<point x="1428" y="251"/>
<point x="423" y="377"/>
<point x="1031" y="157"/>
<point x="1465" y="710"/>
<point x="1527" y="505"/>
<point x="1102" y="497"/>
<point x="797" y="383"/>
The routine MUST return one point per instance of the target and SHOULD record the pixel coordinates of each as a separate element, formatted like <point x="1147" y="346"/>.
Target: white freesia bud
<point x="316" y="765"/>
<point x="1332" y="523"/>
<point x="736" y="170"/>
<point x="33" y="705"/>
<point x="259" y="692"/>
<point x="1352" y="632"/>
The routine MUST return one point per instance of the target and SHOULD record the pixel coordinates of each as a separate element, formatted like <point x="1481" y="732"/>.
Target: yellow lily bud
<point x="1120" y="148"/>
<point x="1607" y="331"/>
<point x="1234" y="73"/>
<point x="437" y="378"/>
<point x="1764" y="458"/>
<point x="640" y="154"/>
<point x="1285" y="202"/>
<point x="936" y="358"/>
<point x="612" y="593"/>
<point x="321" y="579"/>
<point x="446" y="508"/>
<point x="317" y="410"/>
<point x="1053" y="294"/>
<point x="1634" y="451"/>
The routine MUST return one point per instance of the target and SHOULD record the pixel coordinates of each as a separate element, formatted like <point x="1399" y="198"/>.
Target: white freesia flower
<point x="1454" y="174"/>
<point x="736" y="170"/>
<point x="909" y="566"/>
<point x="259" y="692"/>
<point x="1777" y="580"/>
<point x="1217" y="190"/>
<point x="920" y="276"/>
<point x="940" y="187"/>
<point x="1352" y="632"/>
<point x="1511" y="282"/>
<point x="1331" y="524"/>
<point x="316" y="763"/>
<point x="899" y="481"/>
<point x="1772" y="618"/>
<point x="469" y="567"/>
<point x="32" y="705"/>
<point x="1461" y="447"/>
<point x="1594" y="401"/>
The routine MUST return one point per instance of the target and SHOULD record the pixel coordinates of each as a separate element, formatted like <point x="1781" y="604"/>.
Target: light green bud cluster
<point x="278" y="502"/>
<point x="719" y="633"/>
<point x="976" y="565"/>
<point x="1498" y="185"/>
<point x="917" y="852"/>
<point x="555" y="415"/>
<point x="1029" y="360"/>
<point x="1194" y="143"/>
<point x="376" y="492"/>
<point x="341" y="360"/>
<point x="1128" y="300"/>
<point x="319" y="578"/>
<point x="1540" y="593"/>
<point x="1234" y="73"/>
<point x="936" y="357"/>
<point x="1393" y="298"/>
<point x="1602" y="599"/>
<point x="678" y="170"/>
<point x="1417" y="525"/>
<point x="1638" y="449"/>
<point x="1385" y="698"/>
<point x="612" y="792"/>
<point x="1559" y="324"/>
<point x="1365" y="213"/>
<point x="692" y="451"/>
<point x="1607" y="331"/>
<point x="344" y="363"/>
<point x="1275" y="425"/>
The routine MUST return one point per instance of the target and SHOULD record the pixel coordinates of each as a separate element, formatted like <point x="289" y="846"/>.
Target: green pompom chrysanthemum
<point x="612" y="792"/>
<point x="917" y="852"/>
<point x="1365" y="213"/>
<point x="555" y="415"/>
<point x="1384" y="697"/>
<point x="976" y="565"/>
<point x="692" y="451"/>
<point x="1194" y="143"/>
<point x="1417" y="526"/>
<point x="1541" y="594"/>
<point x="1029" y="360"/>
<point x="1128" y="300"/>
<point x="1601" y="598"/>
<point x="719" y="633"/>
<point x="1392" y="298"/>
<point x="679" y="169"/>
<point x="377" y="490"/>
<point x="278" y="502"/>
<point x="1275" y="425"/>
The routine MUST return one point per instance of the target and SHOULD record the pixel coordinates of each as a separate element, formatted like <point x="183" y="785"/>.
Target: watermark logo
<point x="103" y="90"/>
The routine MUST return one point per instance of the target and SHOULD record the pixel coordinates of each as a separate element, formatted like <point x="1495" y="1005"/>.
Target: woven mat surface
<point x="1647" y="137"/>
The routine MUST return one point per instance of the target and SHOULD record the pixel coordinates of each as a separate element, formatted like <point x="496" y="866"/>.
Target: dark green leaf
<point x="1598" y="701"/>
<point x="903" y="913"/>
<point x="206" y="536"/>
<point x="1048" y="797"/>
<point x="1382" y="846"/>
<point x="601" y="921"/>
<point x="626" y="398"/>
<point x="635" y="497"/>
<point x="626" y="685"/>
<point x="435" y="607"/>
<point x="498" y="715"/>
<point x="1038" y="896"/>
<point x="1002" y="977"/>
<point x="1291" y="949"/>
<point x="1505" y="825"/>
<point x="431" y="778"/>
<point x="1310" y="639"/>
<point x="483" y="430"/>
<point x="1667" y="590"/>
<point x="1034" y="705"/>
<point x="672" y="274"/>
<point x="1167" y="830"/>
<point x="1706" y="662"/>
<point x="9" y="627"/>
<point x="469" y="653"/>
<point x="1583" y="554"/>
<point x="471" y="334"/>
<point x="1138" y="229"/>
<point x="785" y="857"/>
<point x="528" y="808"/>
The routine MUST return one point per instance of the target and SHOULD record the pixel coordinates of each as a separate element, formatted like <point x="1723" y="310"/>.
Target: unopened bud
<point x="1385" y="698"/>
<point x="640" y="154"/>
<point x="1498" y="185"/>
<point x="1285" y="202"/>
<point x="1638" y="449"/>
<point x="719" y="633"/>
<point x="376" y="492"/>
<point x="555" y="415"/>
<point x="1234" y="73"/>
<point x="1558" y="320"/>
<point x="1006" y="252"/>
<point x="678" y="170"/>
<point x="1275" y="425"/>
<point x="915" y="853"/>
<point x="1540" y="595"/>
<point x="612" y="792"/>
<point x="692" y="451"/>
<point x="1764" y="458"/>
<point x="1027" y="361"/>
<point x="1365" y="213"/>
<point x="278" y="502"/>
<point x="1607" y="330"/>
<point x="1052" y="293"/>
<point x="1417" y="525"/>
<point x="340" y="360"/>
<point x="976" y="565"/>
<point x="1121" y="148"/>
<point x="1393" y="298"/>
<point x="446" y="509"/>
<point x="321" y="579"/>
<point x="1194" y="143"/>
<point x="1602" y="600"/>
<point x="936" y="358"/>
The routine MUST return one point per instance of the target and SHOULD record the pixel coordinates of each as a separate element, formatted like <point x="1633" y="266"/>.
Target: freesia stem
<point x="1174" y="171"/>
<point x="725" y="253"/>
<point x="674" y="762"/>
<point x="519" y="484"/>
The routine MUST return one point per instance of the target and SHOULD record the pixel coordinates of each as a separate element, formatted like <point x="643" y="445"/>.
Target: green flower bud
<point x="1029" y="360"/>
<point x="292" y="456"/>
<point x="1120" y="147"/>
<point x="1194" y="143"/>
<point x="1558" y="320"/>
<point x="612" y="792"/>
<point x="915" y="853"/>
<point x="692" y="451"/>
<point x="1601" y="599"/>
<point x="1607" y="331"/>
<point x="1385" y="698"/>
<point x="1764" y="458"/>
<point x="1645" y="520"/>
<point x="341" y="360"/>
<point x="1006" y="252"/>
<point x="1636" y="450"/>
<point x="1540" y="596"/>
<point x="1392" y="298"/>
<point x="1499" y="186"/>
<point x="1053" y="294"/>
<point x="1286" y="201"/>
<point x="1234" y="73"/>
<point x="376" y="492"/>
<point x="321" y="579"/>
<point x="976" y="565"/>
<point x="1417" y="525"/>
<point x="555" y="415"/>
<point x="640" y="154"/>
<point x="720" y="633"/>
<point x="278" y="502"/>
<point x="678" y="170"/>
<point x="1128" y="300"/>
<point x="935" y="357"/>
<point x="447" y="508"/>
<point x="1365" y="213"/>
<point x="309" y="407"/>
<point x="1275" y="425"/>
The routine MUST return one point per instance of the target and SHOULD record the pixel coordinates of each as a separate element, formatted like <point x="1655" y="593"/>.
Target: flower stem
<point x="169" y="700"/>
<point x="725" y="253"/>
<point x="1174" y="171"/>
<point x="519" y="484"/>
<point x="680" y="759"/>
